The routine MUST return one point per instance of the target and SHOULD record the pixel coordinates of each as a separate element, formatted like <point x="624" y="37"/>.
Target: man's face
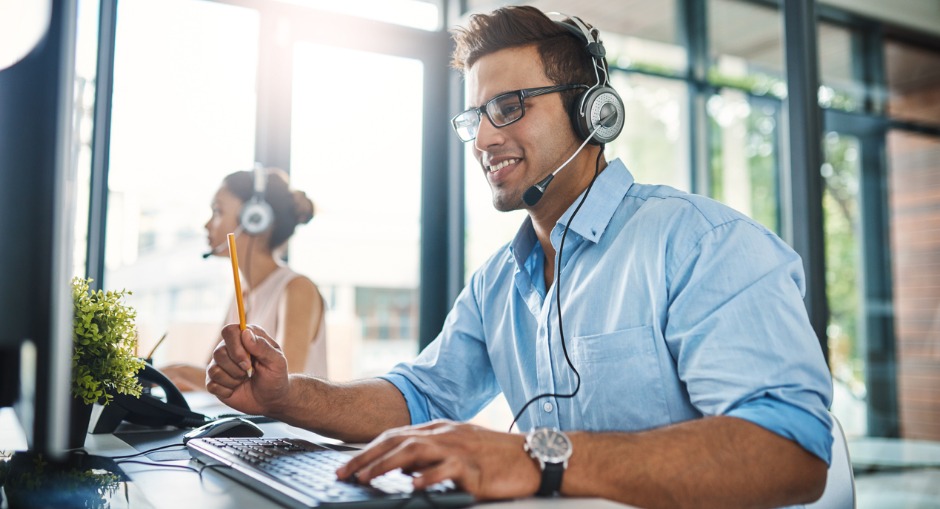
<point x="515" y="157"/>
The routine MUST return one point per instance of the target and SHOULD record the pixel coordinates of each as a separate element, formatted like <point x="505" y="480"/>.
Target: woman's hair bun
<point x="303" y="207"/>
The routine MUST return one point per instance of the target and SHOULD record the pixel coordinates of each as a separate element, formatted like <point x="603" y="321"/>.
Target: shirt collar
<point x="606" y="195"/>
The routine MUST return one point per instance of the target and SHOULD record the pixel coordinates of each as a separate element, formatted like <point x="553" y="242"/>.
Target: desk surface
<point x="173" y="488"/>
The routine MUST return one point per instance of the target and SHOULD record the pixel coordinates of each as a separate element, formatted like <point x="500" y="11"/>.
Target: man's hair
<point x="564" y="55"/>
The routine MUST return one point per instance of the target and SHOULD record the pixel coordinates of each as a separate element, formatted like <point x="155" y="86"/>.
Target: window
<point x="86" y="53"/>
<point x="183" y="117"/>
<point x="848" y="360"/>
<point x="843" y="83"/>
<point x="362" y="247"/>
<point x="746" y="47"/>
<point x="744" y="153"/>
<point x="654" y="143"/>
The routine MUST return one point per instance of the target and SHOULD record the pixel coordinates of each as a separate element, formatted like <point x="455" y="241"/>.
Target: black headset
<point x="598" y="110"/>
<point x="257" y="216"/>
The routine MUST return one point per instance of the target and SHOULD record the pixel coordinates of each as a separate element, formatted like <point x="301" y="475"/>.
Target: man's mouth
<point x="502" y="164"/>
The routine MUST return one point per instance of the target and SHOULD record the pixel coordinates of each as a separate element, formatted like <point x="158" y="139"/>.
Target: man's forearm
<point x="354" y="412"/>
<point x="714" y="462"/>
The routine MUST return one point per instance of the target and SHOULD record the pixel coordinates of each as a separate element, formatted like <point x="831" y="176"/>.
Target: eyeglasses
<point x="502" y="110"/>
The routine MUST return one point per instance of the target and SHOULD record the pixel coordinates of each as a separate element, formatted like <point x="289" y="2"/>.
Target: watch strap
<point x="551" y="480"/>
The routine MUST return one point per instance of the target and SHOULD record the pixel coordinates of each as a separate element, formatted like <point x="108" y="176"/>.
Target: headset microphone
<point x="222" y="245"/>
<point x="534" y="193"/>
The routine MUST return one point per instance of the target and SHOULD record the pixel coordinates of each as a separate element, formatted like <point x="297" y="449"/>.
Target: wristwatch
<point x="551" y="449"/>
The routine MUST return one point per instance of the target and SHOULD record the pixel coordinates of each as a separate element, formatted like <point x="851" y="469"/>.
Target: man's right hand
<point x="248" y="371"/>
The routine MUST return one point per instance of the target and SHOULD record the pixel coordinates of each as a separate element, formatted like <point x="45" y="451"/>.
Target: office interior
<point x="821" y="120"/>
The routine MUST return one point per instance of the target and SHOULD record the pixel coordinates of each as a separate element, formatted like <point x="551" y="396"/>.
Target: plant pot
<point x="78" y="423"/>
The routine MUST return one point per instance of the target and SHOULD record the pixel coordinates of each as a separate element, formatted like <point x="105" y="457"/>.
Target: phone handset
<point x="148" y="409"/>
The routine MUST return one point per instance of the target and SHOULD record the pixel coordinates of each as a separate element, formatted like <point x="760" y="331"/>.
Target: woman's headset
<point x="257" y="216"/>
<point x="598" y="110"/>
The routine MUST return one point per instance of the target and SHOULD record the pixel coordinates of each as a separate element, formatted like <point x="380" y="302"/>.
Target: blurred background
<point x="353" y="99"/>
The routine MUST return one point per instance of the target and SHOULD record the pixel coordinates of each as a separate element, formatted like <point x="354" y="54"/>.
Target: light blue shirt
<point x="674" y="307"/>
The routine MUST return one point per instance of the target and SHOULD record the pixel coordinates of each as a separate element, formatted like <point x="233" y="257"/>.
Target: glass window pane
<point x="842" y="87"/>
<point x="745" y="159"/>
<point x="746" y="47"/>
<point x="362" y="247"/>
<point x="913" y="76"/>
<point x="183" y="117"/>
<point x="421" y="14"/>
<point x="914" y="201"/>
<point x="847" y="355"/>
<point x="86" y="59"/>
<point x="654" y="143"/>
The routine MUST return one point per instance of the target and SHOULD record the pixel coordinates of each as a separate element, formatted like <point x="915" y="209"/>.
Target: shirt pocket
<point x="621" y="381"/>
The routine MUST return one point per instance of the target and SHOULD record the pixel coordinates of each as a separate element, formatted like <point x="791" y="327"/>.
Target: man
<point x="676" y="357"/>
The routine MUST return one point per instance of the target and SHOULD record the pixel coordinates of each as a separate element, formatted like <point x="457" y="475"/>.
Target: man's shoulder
<point x="686" y="211"/>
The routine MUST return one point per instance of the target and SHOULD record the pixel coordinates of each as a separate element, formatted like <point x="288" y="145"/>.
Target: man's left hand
<point x="485" y="463"/>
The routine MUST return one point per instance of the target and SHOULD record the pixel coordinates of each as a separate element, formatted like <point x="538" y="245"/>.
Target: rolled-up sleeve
<point x="452" y="378"/>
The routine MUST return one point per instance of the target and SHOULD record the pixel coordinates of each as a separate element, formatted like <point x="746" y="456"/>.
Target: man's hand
<point x="248" y="371"/>
<point x="488" y="464"/>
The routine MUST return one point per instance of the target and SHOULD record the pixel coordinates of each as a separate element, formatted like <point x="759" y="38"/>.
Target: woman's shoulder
<point x="302" y="287"/>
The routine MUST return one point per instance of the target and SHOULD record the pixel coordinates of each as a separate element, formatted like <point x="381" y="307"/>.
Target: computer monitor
<point x="37" y="207"/>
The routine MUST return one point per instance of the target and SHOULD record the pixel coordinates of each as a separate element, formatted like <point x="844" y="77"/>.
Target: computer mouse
<point x="227" y="427"/>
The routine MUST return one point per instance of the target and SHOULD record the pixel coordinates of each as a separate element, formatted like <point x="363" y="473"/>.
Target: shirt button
<point x="548" y="407"/>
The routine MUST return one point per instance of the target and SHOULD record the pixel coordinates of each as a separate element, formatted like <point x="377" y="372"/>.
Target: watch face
<point x="551" y="445"/>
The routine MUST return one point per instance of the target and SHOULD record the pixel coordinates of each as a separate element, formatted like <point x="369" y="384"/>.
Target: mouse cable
<point x="148" y="451"/>
<point x="561" y="330"/>
<point x="161" y="465"/>
<point x="257" y="419"/>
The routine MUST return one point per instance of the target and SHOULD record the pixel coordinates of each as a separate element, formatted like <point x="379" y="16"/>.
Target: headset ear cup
<point x="594" y="108"/>
<point x="256" y="216"/>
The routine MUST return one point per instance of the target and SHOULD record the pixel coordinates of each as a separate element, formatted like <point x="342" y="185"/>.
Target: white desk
<point x="171" y="488"/>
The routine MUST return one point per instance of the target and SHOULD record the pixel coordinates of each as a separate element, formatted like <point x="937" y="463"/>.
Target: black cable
<point x="561" y="330"/>
<point x="161" y="465"/>
<point x="210" y="467"/>
<point x="148" y="451"/>
<point x="257" y="419"/>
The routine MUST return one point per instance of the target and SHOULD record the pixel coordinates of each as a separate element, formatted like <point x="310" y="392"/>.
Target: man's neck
<point x="558" y="199"/>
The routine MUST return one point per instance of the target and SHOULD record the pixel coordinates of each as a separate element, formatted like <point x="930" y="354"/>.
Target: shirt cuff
<point x="791" y="422"/>
<point x="417" y="402"/>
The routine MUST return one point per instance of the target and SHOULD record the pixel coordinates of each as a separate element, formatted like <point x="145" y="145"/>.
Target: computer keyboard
<point x="299" y="473"/>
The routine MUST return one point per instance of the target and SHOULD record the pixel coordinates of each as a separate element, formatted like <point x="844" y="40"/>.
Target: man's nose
<point x="487" y="134"/>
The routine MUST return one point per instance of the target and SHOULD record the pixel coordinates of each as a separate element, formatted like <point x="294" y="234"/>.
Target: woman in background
<point x="282" y="301"/>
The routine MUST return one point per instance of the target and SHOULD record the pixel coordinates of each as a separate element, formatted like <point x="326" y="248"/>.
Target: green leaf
<point x="104" y="335"/>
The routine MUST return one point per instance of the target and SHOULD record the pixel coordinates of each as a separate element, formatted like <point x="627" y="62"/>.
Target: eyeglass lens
<point x="502" y="110"/>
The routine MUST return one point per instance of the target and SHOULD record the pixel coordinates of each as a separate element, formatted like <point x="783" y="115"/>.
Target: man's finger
<point x="449" y="469"/>
<point x="233" y="338"/>
<point x="412" y="454"/>
<point x="216" y="373"/>
<point x="219" y="391"/>
<point x="378" y="448"/>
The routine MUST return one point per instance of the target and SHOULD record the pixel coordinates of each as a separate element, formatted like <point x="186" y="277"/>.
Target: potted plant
<point x="104" y="358"/>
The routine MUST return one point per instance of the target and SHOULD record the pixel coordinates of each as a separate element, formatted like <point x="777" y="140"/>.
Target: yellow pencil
<point x="233" y="254"/>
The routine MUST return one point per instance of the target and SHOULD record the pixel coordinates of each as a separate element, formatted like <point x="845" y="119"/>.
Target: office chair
<point x="840" y="483"/>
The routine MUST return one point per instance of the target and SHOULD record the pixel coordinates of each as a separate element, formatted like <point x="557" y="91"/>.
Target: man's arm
<point x="715" y="462"/>
<point x="712" y="462"/>
<point x="354" y="412"/>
